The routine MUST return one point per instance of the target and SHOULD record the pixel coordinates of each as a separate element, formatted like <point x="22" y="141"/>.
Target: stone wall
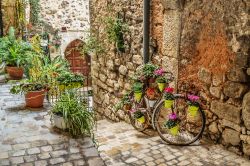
<point x="70" y="14"/>
<point x="111" y="71"/>
<point x="215" y="59"/>
<point x="205" y="43"/>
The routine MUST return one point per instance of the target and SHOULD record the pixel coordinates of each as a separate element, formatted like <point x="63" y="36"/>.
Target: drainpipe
<point x="1" y="20"/>
<point x="146" y="27"/>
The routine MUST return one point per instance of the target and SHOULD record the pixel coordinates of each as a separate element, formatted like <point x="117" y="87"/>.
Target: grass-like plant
<point x="80" y="121"/>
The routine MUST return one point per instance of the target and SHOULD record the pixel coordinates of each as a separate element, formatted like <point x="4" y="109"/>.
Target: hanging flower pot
<point x="161" y="86"/>
<point x="137" y="96"/>
<point x="15" y="73"/>
<point x="168" y="103"/>
<point x="141" y="119"/>
<point x="174" y="130"/>
<point x="192" y="110"/>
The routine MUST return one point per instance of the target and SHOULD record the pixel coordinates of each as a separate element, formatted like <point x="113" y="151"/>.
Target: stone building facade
<point x="203" y="42"/>
<point x="70" y="17"/>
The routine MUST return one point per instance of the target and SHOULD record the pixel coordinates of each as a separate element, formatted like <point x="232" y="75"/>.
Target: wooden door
<point x="78" y="63"/>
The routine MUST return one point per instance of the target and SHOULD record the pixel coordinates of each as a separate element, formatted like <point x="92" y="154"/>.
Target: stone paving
<point x="121" y="145"/>
<point x="27" y="137"/>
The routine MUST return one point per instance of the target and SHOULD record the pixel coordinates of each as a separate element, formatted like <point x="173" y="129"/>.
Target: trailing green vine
<point x="94" y="45"/>
<point x="34" y="11"/>
<point x="115" y="28"/>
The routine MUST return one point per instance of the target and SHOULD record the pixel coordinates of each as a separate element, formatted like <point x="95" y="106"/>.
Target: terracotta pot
<point x="35" y="99"/>
<point x="15" y="73"/>
<point x="127" y="107"/>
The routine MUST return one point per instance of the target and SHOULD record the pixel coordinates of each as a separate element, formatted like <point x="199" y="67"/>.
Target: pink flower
<point x="193" y="98"/>
<point x="132" y="111"/>
<point x="159" y="72"/>
<point x="172" y="116"/>
<point x="169" y="90"/>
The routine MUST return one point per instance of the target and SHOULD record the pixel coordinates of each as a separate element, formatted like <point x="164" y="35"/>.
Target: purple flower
<point x="159" y="72"/>
<point x="172" y="116"/>
<point x="193" y="98"/>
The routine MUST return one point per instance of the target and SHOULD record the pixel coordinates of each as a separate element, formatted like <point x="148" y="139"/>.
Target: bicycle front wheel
<point x="189" y="128"/>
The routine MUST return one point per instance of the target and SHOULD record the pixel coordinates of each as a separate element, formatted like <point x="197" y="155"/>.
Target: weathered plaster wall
<point x="214" y="61"/>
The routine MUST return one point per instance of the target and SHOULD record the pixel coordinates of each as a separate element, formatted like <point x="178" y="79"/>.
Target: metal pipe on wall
<point x="146" y="30"/>
<point x="1" y="20"/>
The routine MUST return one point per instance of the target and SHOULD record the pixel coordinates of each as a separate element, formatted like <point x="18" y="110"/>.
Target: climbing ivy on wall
<point x="34" y="11"/>
<point x="115" y="28"/>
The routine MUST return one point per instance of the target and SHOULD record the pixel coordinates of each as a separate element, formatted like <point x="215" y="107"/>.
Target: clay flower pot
<point x="168" y="103"/>
<point x="192" y="110"/>
<point x="174" y="130"/>
<point x="141" y="119"/>
<point x="35" y="99"/>
<point x="127" y="107"/>
<point x="138" y="96"/>
<point x="15" y="73"/>
<point x="161" y="86"/>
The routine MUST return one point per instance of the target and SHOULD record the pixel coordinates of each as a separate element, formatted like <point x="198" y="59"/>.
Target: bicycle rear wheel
<point x="139" y="106"/>
<point x="189" y="128"/>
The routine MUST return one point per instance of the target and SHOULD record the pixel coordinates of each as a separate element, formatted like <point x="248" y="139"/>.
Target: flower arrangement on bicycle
<point x="160" y="78"/>
<point x="169" y="97"/>
<point x="193" y="104"/>
<point x="137" y="89"/>
<point x="173" y="124"/>
<point x="152" y="94"/>
<point x="138" y="115"/>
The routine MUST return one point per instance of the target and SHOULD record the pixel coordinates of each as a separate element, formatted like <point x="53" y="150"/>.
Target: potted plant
<point x="148" y="72"/>
<point x="71" y="114"/>
<point x="173" y="124"/>
<point x="193" y="104"/>
<point x="34" y="93"/>
<point x="69" y="80"/>
<point x="139" y="116"/>
<point x="137" y="88"/>
<point x="14" y="53"/>
<point x="169" y="97"/>
<point x="160" y="78"/>
<point x="152" y="95"/>
<point x="126" y="102"/>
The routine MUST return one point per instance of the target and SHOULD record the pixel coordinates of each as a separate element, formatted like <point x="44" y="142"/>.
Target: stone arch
<point x="78" y="63"/>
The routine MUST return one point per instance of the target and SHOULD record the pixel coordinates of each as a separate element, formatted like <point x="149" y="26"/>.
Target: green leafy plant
<point x="148" y="70"/>
<point x="34" y="11"/>
<point x="93" y="44"/>
<point x="115" y="29"/>
<point x="168" y="93"/>
<point x="14" y="52"/>
<point x="137" y="87"/>
<point x="124" y="101"/>
<point x="78" y="118"/>
<point x="138" y="114"/>
<point x="66" y="78"/>
<point x="27" y="86"/>
<point x="161" y="79"/>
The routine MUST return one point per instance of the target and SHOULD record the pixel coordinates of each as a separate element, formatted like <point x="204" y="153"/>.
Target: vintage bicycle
<point x="189" y="125"/>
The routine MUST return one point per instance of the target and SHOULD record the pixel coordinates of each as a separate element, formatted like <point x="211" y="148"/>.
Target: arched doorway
<point x="79" y="63"/>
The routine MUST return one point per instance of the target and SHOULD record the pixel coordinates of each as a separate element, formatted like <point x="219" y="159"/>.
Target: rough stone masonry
<point x="214" y="52"/>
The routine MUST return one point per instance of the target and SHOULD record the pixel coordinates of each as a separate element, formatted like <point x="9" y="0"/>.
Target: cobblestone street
<point x="121" y="145"/>
<point x="27" y="137"/>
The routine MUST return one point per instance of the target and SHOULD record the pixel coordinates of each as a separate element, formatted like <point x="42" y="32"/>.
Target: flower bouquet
<point x="169" y="97"/>
<point x="193" y="104"/>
